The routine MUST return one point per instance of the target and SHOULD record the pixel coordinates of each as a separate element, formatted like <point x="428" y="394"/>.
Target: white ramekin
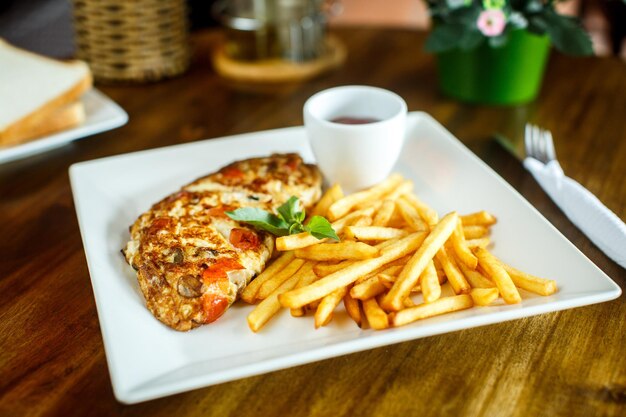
<point x="355" y="155"/>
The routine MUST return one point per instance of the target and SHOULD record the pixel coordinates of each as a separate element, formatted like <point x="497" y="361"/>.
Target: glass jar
<point x="293" y="30"/>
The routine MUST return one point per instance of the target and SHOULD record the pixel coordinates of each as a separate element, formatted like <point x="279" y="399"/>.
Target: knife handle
<point x="601" y="225"/>
<point x="585" y="210"/>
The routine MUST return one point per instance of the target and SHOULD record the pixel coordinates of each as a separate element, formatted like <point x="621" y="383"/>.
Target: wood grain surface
<point x="570" y="363"/>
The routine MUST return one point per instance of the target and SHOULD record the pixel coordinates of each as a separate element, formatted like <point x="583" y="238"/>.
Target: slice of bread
<point x="32" y="88"/>
<point x="63" y="118"/>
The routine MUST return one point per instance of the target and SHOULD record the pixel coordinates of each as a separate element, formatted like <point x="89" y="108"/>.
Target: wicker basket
<point x="137" y="40"/>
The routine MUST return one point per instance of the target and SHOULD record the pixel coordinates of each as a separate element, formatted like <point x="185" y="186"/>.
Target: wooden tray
<point x="278" y="70"/>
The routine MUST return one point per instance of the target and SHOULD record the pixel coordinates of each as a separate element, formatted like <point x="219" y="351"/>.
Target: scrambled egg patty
<point x="191" y="259"/>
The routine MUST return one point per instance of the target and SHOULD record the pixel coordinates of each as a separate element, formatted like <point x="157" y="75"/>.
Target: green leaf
<point x="518" y="21"/>
<point x="466" y="17"/>
<point x="287" y="222"/>
<point x="260" y="219"/>
<point x="320" y="228"/>
<point x="300" y="216"/>
<point x="537" y="25"/>
<point x="288" y="211"/>
<point x="471" y="40"/>
<point x="534" y="6"/>
<point x="296" y="228"/>
<point x="567" y="35"/>
<point x="499" y="41"/>
<point x="444" y="37"/>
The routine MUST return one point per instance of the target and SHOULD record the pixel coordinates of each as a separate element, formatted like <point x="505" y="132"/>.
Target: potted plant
<point x="494" y="51"/>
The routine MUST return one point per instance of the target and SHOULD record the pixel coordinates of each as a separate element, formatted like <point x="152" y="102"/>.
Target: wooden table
<point x="570" y="363"/>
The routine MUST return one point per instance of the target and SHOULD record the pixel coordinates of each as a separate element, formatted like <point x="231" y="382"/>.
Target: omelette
<point x="191" y="259"/>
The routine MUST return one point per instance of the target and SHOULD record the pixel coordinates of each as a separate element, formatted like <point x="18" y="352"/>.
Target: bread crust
<point x="20" y="131"/>
<point x="63" y="118"/>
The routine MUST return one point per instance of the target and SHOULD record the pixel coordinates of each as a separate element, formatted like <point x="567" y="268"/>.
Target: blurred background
<point x="45" y="26"/>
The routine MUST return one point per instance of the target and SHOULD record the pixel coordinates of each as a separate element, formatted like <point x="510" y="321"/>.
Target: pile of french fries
<point x="393" y="247"/>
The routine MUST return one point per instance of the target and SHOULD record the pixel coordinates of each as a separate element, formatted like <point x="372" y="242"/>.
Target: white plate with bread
<point x="45" y="103"/>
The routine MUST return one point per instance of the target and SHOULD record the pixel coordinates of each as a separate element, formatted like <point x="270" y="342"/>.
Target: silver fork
<point x="539" y="143"/>
<point x="594" y="219"/>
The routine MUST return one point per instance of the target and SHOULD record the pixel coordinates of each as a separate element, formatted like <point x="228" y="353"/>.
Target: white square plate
<point x="148" y="360"/>
<point x="101" y="114"/>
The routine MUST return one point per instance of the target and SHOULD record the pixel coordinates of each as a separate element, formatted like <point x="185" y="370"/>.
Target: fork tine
<point x="547" y="146"/>
<point x="550" y="152"/>
<point x="528" y="137"/>
<point x="539" y="144"/>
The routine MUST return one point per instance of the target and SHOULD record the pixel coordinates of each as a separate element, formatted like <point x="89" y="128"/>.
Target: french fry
<point x="482" y="242"/>
<point x="360" y="222"/>
<point x="376" y="317"/>
<point x="274" y="282"/>
<point x="306" y="276"/>
<point x="412" y="271"/>
<point x="366" y="277"/>
<point x="304" y="239"/>
<point x="461" y="249"/>
<point x="475" y="231"/>
<point x="352" y="308"/>
<point x="393" y="270"/>
<point x="404" y="188"/>
<point x="475" y="278"/>
<point x="383" y="215"/>
<point x="410" y="215"/>
<point x="408" y="302"/>
<point x="322" y="269"/>
<point x="429" y="281"/>
<point x="367" y="289"/>
<point x="371" y="287"/>
<point x="331" y="195"/>
<point x="382" y="245"/>
<point x="388" y="281"/>
<point x="498" y="274"/>
<point x="341" y="207"/>
<point x="372" y="233"/>
<point x="429" y="215"/>
<point x="324" y="312"/>
<point x="441" y="274"/>
<point x="438" y="307"/>
<point x="338" y="225"/>
<point x="297" y="241"/>
<point x="345" y="250"/>
<point x="484" y="296"/>
<point x="267" y="308"/>
<point x="297" y="312"/>
<point x="481" y="218"/>
<point x="345" y="277"/>
<point x="390" y="270"/>
<point x="531" y="283"/>
<point x="455" y="277"/>
<point x="249" y="293"/>
<point x="396" y="219"/>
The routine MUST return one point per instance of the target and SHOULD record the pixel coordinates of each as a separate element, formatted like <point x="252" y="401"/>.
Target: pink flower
<point x="491" y="22"/>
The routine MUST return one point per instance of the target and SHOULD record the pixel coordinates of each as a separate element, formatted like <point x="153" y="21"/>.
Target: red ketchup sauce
<point x="349" y="120"/>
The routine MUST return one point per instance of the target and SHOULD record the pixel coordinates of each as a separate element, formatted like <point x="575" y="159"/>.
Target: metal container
<point x="293" y="30"/>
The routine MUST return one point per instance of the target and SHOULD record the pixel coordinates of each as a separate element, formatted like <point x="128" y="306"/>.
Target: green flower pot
<point x="508" y="75"/>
